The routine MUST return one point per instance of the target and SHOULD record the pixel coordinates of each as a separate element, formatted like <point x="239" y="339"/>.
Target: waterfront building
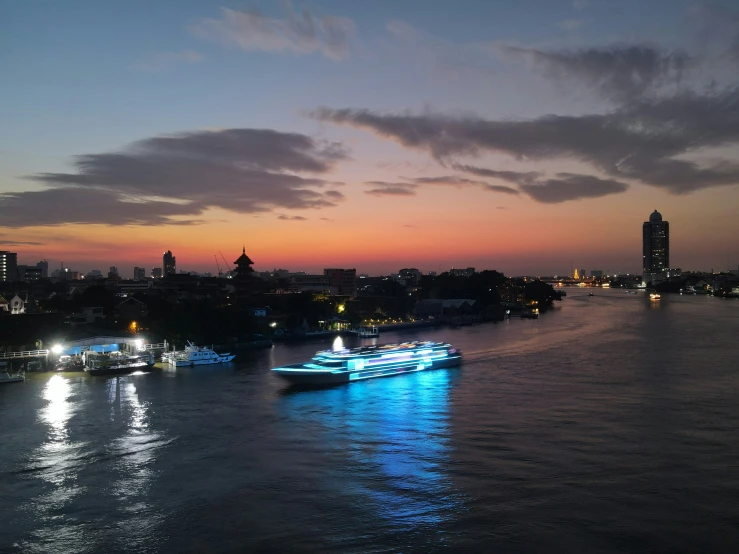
<point x="8" y="266"/>
<point x="344" y="281"/>
<point x="596" y="273"/>
<point x="169" y="264"/>
<point x="655" y="248"/>
<point x="139" y="273"/>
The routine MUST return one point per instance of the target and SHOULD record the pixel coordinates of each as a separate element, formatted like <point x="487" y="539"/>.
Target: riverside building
<point x="655" y="248"/>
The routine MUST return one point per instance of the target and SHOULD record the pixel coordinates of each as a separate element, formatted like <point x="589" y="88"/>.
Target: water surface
<point x="608" y="425"/>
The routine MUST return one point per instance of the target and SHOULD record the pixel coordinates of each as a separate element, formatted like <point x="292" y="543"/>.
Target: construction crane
<point x="225" y="262"/>
<point x="218" y="266"/>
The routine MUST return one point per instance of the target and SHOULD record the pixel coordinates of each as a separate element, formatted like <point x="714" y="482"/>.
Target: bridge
<point x="24" y="354"/>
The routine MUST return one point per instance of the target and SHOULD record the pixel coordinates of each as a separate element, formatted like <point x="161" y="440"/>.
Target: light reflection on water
<point x="395" y="432"/>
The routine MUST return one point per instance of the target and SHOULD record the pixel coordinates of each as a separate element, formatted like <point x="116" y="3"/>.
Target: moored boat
<point x="116" y="363"/>
<point x="345" y="365"/>
<point x="368" y="332"/>
<point x="5" y="377"/>
<point x="195" y="355"/>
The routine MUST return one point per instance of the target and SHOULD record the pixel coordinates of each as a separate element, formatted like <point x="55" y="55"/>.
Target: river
<point x="610" y="424"/>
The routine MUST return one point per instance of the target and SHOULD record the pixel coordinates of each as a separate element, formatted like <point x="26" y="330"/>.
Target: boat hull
<point x="193" y="363"/>
<point x="296" y="376"/>
<point x="118" y="370"/>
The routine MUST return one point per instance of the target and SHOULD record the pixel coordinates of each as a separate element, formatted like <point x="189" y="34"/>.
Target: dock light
<point x="139" y="344"/>
<point x="56" y="349"/>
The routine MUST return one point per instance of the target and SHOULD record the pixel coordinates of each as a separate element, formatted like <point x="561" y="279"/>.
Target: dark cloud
<point x="326" y="219"/>
<point x="449" y="180"/>
<point x="4" y="242"/>
<point x="455" y="181"/>
<point x="619" y="73"/>
<point x="641" y="141"/>
<point x="568" y="186"/>
<point x="78" y="205"/>
<point x="155" y="180"/>
<point x="382" y="188"/>
<point x="292" y="218"/>
<point x="501" y="208"/>
<point x="299" y="33"/>
<point x="717" y="30"/>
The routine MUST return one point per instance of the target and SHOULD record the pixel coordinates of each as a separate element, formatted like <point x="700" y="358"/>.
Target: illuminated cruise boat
<point x="345" y="365"/>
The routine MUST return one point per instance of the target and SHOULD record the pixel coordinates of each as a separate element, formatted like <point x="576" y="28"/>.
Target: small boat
<point x="530" y="313"/>
<point x="332" y="367"/>
<point x="654" y="296"/>
<point x="368" y="332"/>
<point x="195" y="355"/>
<point x="69" y="363"/>
<point x="591" y="294"/>
<point x="5" y="377"/>
<point x="115" y="363"/>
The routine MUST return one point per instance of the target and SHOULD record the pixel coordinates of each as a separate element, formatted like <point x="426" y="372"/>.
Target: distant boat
<point x="195" y="355"/>
<point x="591" y="294"/>
<point x="530" y="313"/>
<point x="654" y="296"/>
<point x="368" y="332"/>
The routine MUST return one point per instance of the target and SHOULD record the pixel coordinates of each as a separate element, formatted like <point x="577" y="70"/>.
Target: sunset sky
<point x="523" y="136"/>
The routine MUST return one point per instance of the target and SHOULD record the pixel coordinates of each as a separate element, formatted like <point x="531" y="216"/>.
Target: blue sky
<point x="85" y="78"/>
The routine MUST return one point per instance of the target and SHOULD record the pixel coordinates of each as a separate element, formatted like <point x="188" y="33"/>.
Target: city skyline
<point x="529" y="138"/>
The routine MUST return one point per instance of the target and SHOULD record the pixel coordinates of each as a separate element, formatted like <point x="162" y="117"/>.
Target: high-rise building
<point x="113" y="272"/>
<point x="8" y="266"/>
<point x="655" y="247"/>
<point x="139" y="274"/>
<point x="169" y="264"/>
<point x="43" y="265"/>
<point x="156" y="273"/>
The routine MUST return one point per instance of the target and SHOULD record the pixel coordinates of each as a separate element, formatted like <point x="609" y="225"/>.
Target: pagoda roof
<point x="243" y="259"/>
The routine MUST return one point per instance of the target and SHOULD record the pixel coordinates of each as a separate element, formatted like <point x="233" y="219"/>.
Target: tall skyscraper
<point x="139" y="274"/>
<point x="169" y="264"/>
<point x="8" y="266"/>
<point x="655" y="247"/>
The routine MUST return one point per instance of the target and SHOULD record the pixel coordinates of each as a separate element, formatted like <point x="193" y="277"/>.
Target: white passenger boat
<point x="345" y="365"/>
<point x="195" y="355"/>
